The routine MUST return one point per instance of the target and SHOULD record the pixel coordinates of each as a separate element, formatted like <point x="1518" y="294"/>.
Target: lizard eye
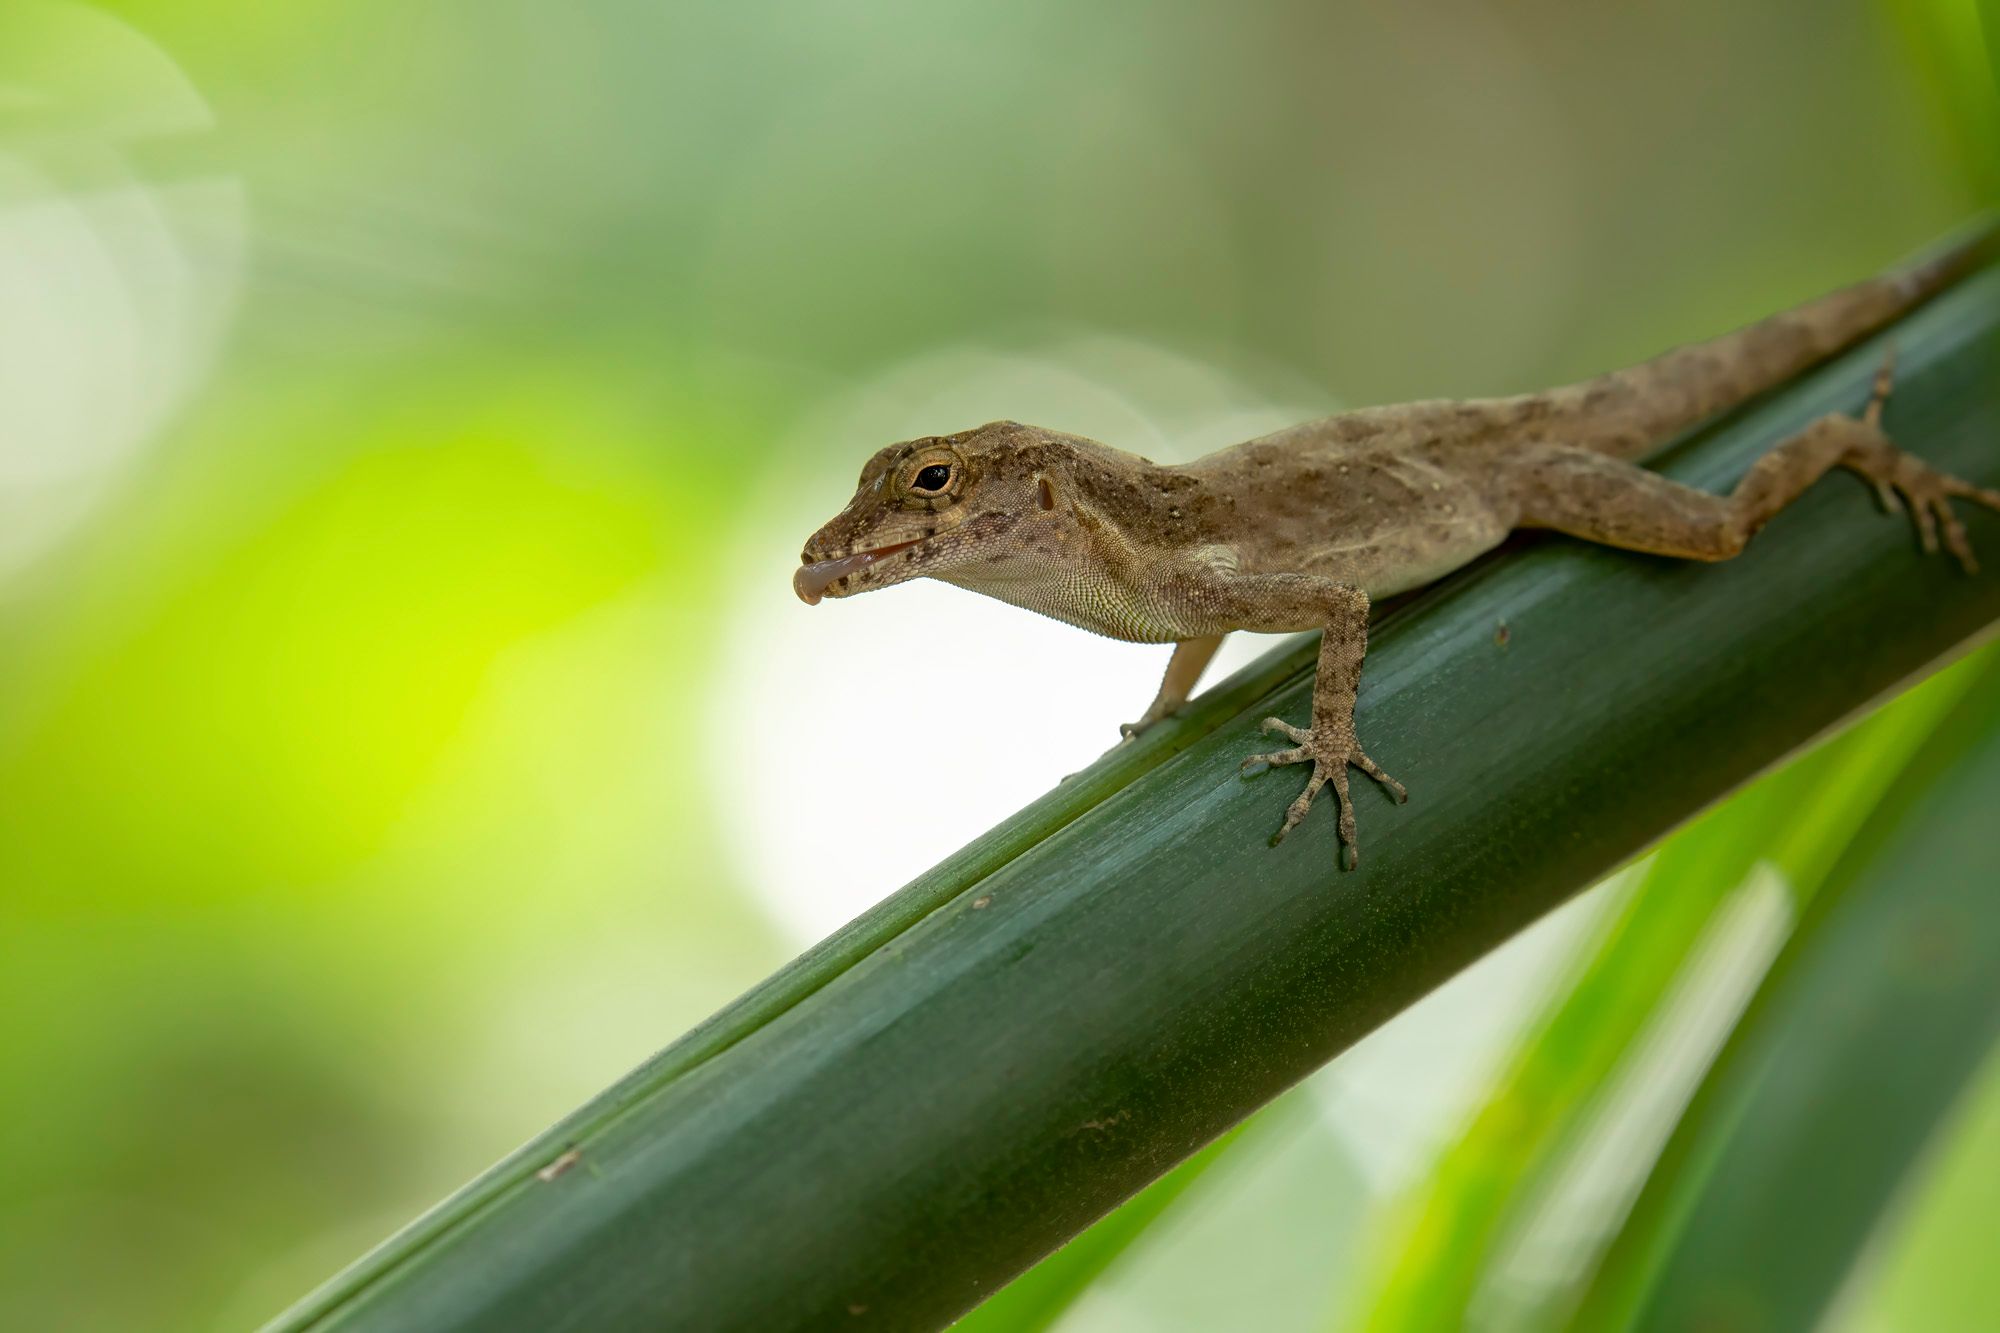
<point x="932" y="480"/>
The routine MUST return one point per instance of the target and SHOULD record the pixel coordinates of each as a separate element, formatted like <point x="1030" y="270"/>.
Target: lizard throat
<point x="812" y="581"/>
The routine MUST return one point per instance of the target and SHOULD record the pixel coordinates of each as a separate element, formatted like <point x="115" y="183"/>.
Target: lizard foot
<point x="1903" y="481"/>
<point x="1130" y="731"/>
<point x="1329" y="753"/>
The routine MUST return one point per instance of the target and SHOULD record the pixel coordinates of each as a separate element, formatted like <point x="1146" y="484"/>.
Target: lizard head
<point x="981" y="506"/>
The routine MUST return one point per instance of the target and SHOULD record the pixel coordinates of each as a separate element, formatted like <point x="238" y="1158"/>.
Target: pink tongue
<point x="813" y="580"/>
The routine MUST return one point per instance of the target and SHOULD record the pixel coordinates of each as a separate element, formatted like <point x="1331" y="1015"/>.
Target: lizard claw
<point x="1329" y="754"/>
<point x="1131" y="731"/>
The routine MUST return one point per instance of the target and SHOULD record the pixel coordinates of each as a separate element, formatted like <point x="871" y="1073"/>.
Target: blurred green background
<point x="409" y="416"/>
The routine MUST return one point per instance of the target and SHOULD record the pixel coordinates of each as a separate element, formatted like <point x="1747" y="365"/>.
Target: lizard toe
<point x="1276" y="759"/>
<point x="1300" y="735"/>
<point x="1907" y="483"/>
<point x="1395" y="788"/>
<point x="1330" y="753"/>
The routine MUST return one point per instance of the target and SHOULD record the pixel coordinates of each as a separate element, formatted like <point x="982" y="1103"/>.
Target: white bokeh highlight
<point x="115" y="287"/>
<point x="856" y="743"/>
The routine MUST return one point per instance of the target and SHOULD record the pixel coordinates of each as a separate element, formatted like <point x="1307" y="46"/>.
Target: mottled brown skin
<point x="1301" y="529"/>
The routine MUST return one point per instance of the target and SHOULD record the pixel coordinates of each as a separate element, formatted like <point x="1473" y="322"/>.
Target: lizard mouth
<point x="812" y="581"/>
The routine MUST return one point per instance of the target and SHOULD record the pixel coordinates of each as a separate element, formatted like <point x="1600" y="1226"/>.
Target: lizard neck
<point x="1099" y="560"/>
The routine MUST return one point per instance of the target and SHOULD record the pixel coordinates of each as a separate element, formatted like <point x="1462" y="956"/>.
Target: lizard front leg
<point x="1191" y="657"/>
<point x="1297" y="601"/>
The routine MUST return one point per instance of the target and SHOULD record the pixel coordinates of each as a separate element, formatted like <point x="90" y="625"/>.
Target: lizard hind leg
<point x="1901" y="479"/>
<point x="1603" y="499"/>
<point x="1878" y="395"/>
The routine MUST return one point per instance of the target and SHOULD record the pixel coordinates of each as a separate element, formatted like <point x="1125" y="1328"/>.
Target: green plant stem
<point x="1877" y="1015"/>
<point x="911" y="1115"/>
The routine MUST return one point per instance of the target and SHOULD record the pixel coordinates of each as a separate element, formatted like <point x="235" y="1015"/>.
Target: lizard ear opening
<point x="1045" y="494"/>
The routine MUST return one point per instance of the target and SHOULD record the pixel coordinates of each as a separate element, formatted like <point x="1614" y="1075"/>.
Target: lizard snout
<point x="814" y="578"/>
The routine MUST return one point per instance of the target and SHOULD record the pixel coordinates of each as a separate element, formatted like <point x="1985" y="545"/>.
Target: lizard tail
<point x="1630" y="413"/>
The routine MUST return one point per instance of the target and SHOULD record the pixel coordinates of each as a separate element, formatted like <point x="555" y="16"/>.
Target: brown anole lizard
<point x="1299" y="530"/>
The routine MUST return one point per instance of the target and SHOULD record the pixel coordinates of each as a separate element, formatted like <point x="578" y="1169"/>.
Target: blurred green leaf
<point x="1989" y="14"/>
<point x="1933" y="1269"/>
<point x="1038" y="1298"/>
<point x="1873" y="1020"/>
<point x="1444" y="1239"/>
<point x="1042" y="1295"/>
<point x="1952" y="50"/>
<point x="302" y="680"/>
